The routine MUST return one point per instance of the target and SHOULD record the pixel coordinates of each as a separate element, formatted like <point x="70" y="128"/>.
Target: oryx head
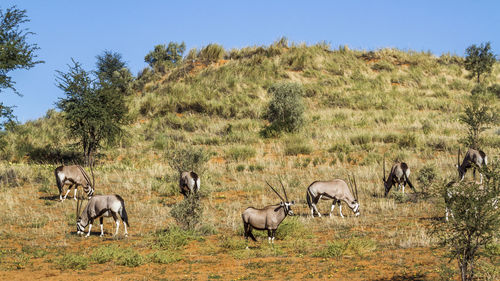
<point x="461" y="171"/>
<point x="284" y="203"/>
<point x="354" y="190"/>
<point x="80" y="224"/>
<point x="387" y="184"/>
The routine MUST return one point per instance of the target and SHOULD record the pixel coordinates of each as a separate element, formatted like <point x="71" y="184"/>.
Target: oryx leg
<point x="102" y="228"/>
<point x="117" y="222"/>
<point x="269" y="235"/>
<point x="333" y="207"/>
<point x="125" y="226"/>
<point x="69" y="189"/>
<point x="404" y="184"/>
<point x="274" y="234"/>
<point x="315" y="207"/>
<point x="340" y="208"/>
<point x="76" y="189"/>
<point x="90" y="227"/>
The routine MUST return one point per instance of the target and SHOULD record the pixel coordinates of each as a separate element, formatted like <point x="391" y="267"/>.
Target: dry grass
<point x="353" y="117"/>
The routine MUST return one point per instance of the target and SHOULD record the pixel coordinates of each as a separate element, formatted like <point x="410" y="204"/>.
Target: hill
<point x="360" y="106"/>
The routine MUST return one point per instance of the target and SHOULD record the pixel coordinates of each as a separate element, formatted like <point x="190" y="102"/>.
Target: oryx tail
<point x="123" y="212"/>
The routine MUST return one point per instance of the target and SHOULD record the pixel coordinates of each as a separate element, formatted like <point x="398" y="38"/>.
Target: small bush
<point x="427" y="127"/>
<point x="426" y="176"/>
<point x="290" y="228"/>
<point x="189" y="212"/>
<point x="296" y="145"/>
<point x="129" y="257"/>
<point x="105" y="254"/>
<point x="73" y="262"/>
<point x="164" y="257"/>
<point x="188" y="159"/>
<point x="240" y="153"/>
<point x="383" y="66"/>
<point x="286" y="109"/>
<point x="361" y="246"/>
<point x="334" y="249"/>
<point x="361" y="139"/>
<point x="408" y="141"/>
<point x="211" y="53"/>
<point x="173" y="238"/>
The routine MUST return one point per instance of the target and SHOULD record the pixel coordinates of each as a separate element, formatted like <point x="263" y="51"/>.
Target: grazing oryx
<point x="75" y="175"/>
<point x="472" y="159"/>
<point x="336" y="190"/>
<point x="399" y="175"/>
<point x="102" y="206"/>
<point x="267" y="218"/>
<point x="189" y="183"/>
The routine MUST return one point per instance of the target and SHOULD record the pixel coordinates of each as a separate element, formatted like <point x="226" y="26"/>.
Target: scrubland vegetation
<point x="357" y="107"/>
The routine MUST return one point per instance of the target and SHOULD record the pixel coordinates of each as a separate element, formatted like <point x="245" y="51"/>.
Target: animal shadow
<point x="405" y="277"/>
<point x="49" y="198"/>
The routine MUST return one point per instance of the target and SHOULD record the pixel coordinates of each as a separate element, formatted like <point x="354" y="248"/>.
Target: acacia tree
<point x="169" y="55"/>
<point x="94" y="111"/>
<point x="477" y="117"/>
<point x="15" y="53"/>
<point x="113" y="72"/>
<point x="479" y="59"/>
<point x="475" y="221"/>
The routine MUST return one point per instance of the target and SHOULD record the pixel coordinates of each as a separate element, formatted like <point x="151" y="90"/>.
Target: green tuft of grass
<point x="73" y="262"/>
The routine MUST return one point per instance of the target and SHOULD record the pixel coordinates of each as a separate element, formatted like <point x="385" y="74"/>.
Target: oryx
<point x="336" y="190"/>
<point x="73" y="175"/>
<point x="267" y="218"/>
<point x="473" y="158"/>
<point x="101" y="206"/>
<point x="400" y="173"/>
<point x="189" y="183"/>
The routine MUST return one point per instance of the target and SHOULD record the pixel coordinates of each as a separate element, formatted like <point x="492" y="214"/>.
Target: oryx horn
<point x="384" y="168"/>
<point x="276" y="192"/>
<point x="355" y="187"/>
<point x="284" y="191"/>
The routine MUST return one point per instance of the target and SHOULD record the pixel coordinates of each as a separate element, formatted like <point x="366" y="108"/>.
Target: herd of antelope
<point x="267" y="218"/>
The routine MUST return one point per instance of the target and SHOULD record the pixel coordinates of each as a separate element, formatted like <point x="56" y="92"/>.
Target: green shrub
<point x="73" y="262"/>
<point x="129" y="257"/>
<point x="361" y="139"/>
<point x="361" y="246"/>
<point x="211" y="53"/>
<point x="297" y="145"/>
<point x="188" y="159"/>
<point x="240" y="168"/>
<point x="427" y="175"/>
<point x="383" y="65"/>
<point x="164" y="257"/>
<point x="334" y="249"/>
<point x="291" y="228"/>
<point x="105" y="253"/>
<point x="173" y="238"/>
<point x="286" y="109"/>
<point x="427" y="127"/>
<point x="189" y="212"/>
<point x="408" y="141"/>
<point x="240" y="153"/>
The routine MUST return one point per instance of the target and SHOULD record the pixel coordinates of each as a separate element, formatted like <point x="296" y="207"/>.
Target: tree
<point x="15" y="53"/>
<point x="475" y="222"/>
<point x="286" y="109"/>
<point x="113" y="72"/>
<point x="479" y="60"/>
<point x="477" y="117"/>
<point x="170" y="55"/>
<point x="93" y="111"/>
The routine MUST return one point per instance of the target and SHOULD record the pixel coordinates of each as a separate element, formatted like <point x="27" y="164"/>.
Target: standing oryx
<point x="400" y="173"/>
<point x="75" y="175"/>
<point x="336" y="190"/>
<point x="189" y="183"/>
<point x="472" y="159"/>
<point x="267" y="218"/>
<point x="101" y="206"/>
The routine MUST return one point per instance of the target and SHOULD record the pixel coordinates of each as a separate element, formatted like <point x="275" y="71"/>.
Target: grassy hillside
<point x="360" y="106"/>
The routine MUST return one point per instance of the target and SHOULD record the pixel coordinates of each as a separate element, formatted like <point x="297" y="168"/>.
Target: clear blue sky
<point x="84" y="29"/>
